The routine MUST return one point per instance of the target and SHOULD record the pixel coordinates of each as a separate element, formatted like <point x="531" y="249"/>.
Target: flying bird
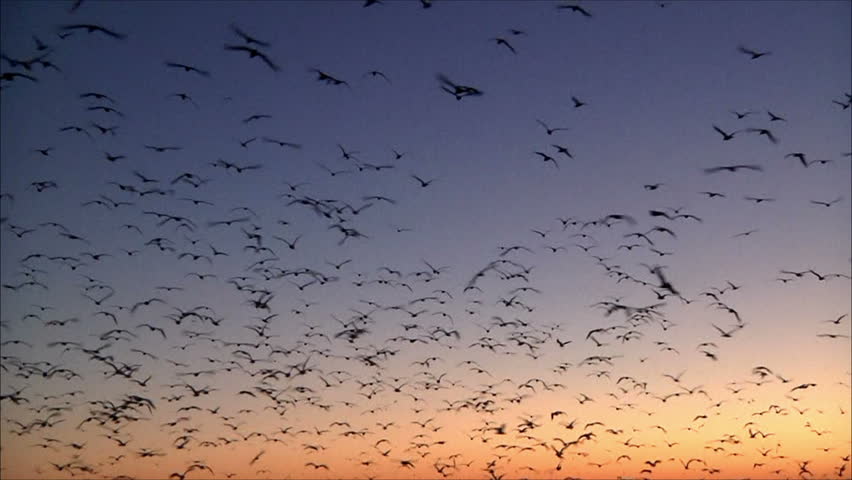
<point x="457" y="90"/>
<point x="91" y="28"/>
<point x="754" y="54"/>
<point x="248" y="38"/>
<point x="575" y="9"/>
<point x="253" y="53"/>
<point x="733" y="169"/>
<point x="187" y="68"/>
<point x="502" y="41"/>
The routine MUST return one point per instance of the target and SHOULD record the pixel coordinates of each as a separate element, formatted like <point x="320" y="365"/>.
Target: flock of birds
<point x="269" y="379"/>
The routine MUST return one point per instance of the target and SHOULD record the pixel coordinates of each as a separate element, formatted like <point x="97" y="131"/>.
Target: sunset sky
<point x="411" y="278"/>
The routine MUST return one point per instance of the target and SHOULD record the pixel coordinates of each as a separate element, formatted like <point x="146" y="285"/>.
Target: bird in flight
<point x="328" y="79"/>
<point x="379" y="74"/>
<point x="764" y="132"/>
<point x="547" y="158"/>
<point x="827" y="204"/>
<point x="550" y="130"/>
<point x="248" y="38"/>
<point x="576" y="9"/>
<point x="742" y="115"/>
<point x="91" y="28"/>
<point x="188" y="68"/>
<point x="754" y="54"/>
<point x="502" y="41"/>
<point x="732" y="169"/>
<point x="725" y="135"/>
<point x="253" y="53"/>
<point x="423" y="183"/>
<point x="457" y="90"/>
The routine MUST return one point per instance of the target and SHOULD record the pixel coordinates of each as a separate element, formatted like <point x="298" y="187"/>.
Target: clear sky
<point x="453" y="329"/>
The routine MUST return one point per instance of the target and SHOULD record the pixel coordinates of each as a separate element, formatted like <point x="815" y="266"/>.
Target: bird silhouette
<point x="502" y="41"/>
<point x="248" y="38"/>
<point x="187" y="68"/>
<point x="754" y="54"/>
<point x="92" y="28"/>
<point x="457" y="90"/>
<point x="576" y="9"/>
<point x="253" y="53"/>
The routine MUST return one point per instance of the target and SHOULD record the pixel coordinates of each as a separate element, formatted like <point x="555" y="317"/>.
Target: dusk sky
<point x="446" y="239"/>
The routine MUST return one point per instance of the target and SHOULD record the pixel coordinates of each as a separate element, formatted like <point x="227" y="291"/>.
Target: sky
<point x="479" y="326"/>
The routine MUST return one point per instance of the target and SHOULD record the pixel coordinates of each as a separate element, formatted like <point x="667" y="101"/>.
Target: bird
<point x="457" y="90"/>
<point x="800" y="156"/>
<point x="162" y="149"/>
<point x="576" y="9"/>
<point x="837" y="320"/>
<point x="92" y="28"/>
<point x="759" y="200"/>
<point x="184" y="97"/>
<point x="187" y="68"/>
<point x="775" y="118"/>
<point x="745" y="234"/>
<point x="547" y="158"/>
<point x="328" y="79"/>
<point x="423" y="183"/>
<point x="254" y="53"/>
<point x="727" y="333"/>
<point x="248" y="38"/>
<point x="11" y="76"/>
<point x="255" y="117"/>
<point x="563" y="150"/>
<point x="742" y="115"/>
<point x="282" y="143"/>
<point x="733" y="169"/>
<point x="754" y="54"/>
<point x="97" y="96"/>
<point x="45" y="152"/>
<point x="549" y="130"/>
<point x="763" y="132"/>
<point x="827" y="204"/>
<point x="502" y="41"/>
<point x="378" y="74"/>
<point x="725" y="135"/>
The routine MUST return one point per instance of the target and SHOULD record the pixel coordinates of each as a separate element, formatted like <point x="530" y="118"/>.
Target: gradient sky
<point x="655" y="78"/>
